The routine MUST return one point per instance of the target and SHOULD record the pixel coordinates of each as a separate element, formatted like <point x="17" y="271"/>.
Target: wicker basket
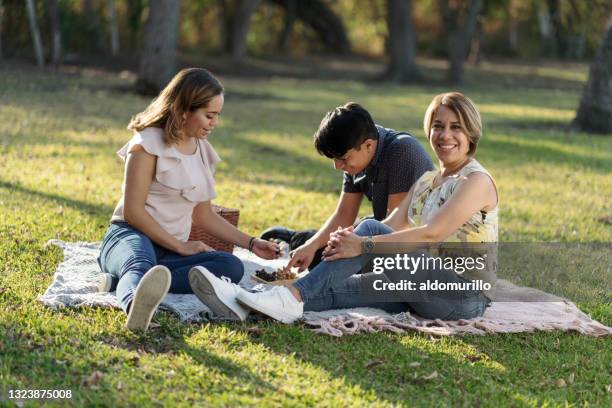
<point x="198" y="234"/>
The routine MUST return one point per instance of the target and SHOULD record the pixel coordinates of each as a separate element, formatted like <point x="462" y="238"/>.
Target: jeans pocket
<point x="110" y="241"/>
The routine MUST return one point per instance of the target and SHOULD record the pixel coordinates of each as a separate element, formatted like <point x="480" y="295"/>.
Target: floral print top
<point x="427" y="200"/>
<point x="481" y="230"/>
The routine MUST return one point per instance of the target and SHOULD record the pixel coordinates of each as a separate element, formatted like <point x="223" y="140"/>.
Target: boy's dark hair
<point x="344" y="128"/>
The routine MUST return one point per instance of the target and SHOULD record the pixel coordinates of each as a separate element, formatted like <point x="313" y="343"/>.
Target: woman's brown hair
<point x="466" y="111"/>
<point x="189" y="90"/>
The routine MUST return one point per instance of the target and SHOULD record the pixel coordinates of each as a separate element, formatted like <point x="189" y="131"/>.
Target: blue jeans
<point x="339" y="284"/>
<point x="127" y="254"/>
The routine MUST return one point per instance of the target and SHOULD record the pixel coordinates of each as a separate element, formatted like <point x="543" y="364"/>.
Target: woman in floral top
<point x="457" y="203"/>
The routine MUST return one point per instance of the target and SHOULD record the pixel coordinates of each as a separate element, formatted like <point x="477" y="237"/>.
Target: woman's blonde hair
<point x="189" y="90"/>
<point x="466" y="111"/>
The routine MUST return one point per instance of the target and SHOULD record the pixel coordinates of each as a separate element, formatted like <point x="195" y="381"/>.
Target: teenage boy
<point x="380" y="163"/>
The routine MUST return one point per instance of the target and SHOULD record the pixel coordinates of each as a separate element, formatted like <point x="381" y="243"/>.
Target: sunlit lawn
<point x="60" y="178"/>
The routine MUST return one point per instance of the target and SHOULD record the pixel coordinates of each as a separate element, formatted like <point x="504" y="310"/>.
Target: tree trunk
<point x="290" y="15"/>
<point x="402" y="42"/>
<point x="475" y="49"/>
<point x="54" y="19"/>
<point x="158" y="60"/>
<point x="558" y="42"/>
<point x="240" y="29"/>
<point x="513" y="28"/>
<point x="38" y="49"/>
<point x="459" y="35"/>
<point x="134" y="14"/>
<point x="112" y="24"/>
<point x="324" y="21"/>
<point x="1" y="18"/>
<point x="228" y="11"/>
<point x="93" y="22"/>
<point x="595" y="111"/>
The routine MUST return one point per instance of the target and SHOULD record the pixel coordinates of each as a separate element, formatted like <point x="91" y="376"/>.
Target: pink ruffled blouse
<point x="181" y="181"/>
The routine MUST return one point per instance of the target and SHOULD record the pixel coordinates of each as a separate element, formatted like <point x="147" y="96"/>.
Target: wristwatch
<point x="367" y="245"/>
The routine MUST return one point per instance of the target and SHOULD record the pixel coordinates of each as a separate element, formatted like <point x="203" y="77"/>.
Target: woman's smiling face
<point x="201" y="122"/>
<point x="447" y="138"/>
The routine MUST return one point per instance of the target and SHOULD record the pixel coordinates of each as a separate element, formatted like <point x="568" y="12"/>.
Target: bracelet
<point x="251" y="243"/>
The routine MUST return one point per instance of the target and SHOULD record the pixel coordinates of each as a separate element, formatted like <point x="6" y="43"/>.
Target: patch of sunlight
<point x="57" y="150"/>
<point x="110" y="136"/>
<point x="296" y="377"/>
<point x="413" y="98"/>
<point x="262" y="205"/>
<point x="452" y="348"/>
<point x="12" y="111"/>
<point x="526" y="112"/>
<point x="296" y="144"/>
<point x="528" y="401"/>
<point x="561" y="144"/>
<point x="304" y="90"/>
<point x="301" y="107"/>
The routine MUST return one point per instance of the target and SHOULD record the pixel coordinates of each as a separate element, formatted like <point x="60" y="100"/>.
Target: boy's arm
<point x="344" y="215"/>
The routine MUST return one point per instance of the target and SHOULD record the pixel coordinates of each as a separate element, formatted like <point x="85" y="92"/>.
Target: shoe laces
<point x="226" y="279"/>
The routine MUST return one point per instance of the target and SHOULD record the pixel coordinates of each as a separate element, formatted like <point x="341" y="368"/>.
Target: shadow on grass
<point x="39" y="367"/>
<point x="155" y="343"/>
<point x="42" y="363"/>
<point x="533" y="359"/>
<point x="376" y="362"/>
<point x="518" y="76"/>
<point x="84" y="207"/>
<point x="498" y="367"/>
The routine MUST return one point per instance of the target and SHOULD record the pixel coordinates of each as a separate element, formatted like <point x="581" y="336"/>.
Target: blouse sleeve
<point x="170" y="171"/>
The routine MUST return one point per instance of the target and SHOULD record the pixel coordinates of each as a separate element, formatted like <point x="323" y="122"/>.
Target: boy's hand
<point x="302" y="257"/>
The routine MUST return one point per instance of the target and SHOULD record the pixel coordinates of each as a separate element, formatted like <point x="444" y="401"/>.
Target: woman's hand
<point x="193" y="247"/>
<point x="265" y="249"/>
<point x="343" y="243"/>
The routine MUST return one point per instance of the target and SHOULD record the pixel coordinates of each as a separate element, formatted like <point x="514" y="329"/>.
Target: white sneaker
<point x="151" y="290"/>
<point x="278" y="303"/>
<point x="219" y="294"/>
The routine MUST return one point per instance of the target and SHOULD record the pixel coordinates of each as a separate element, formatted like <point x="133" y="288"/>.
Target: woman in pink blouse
<point x="168" y="185"/>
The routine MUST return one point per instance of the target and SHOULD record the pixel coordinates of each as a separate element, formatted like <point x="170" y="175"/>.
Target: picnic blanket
<point x="75" y="284"/>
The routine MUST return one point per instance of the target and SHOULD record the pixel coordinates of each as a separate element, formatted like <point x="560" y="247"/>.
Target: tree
<point x="94" y="31"/>
<point x="134" y="9"/>
<point x="323" y="20"/>
<point x="38" y="49"/>
<point x="235" y="17"/>
<point x="240" y="29"/>
<point x="595" y="111"/>
<point x="158" y="59"/>
<point x="557" y="36"/>
<point x="113" y="28"/>
<point x="1" y="18"/>
<point x="402" y="42"/>
<point x="289" y="21"/>
<point x="56" y="35"/>
<point x="460" y="23"/>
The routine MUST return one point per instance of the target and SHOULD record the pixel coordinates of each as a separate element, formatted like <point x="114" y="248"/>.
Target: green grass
<point x="60" y="178"/>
